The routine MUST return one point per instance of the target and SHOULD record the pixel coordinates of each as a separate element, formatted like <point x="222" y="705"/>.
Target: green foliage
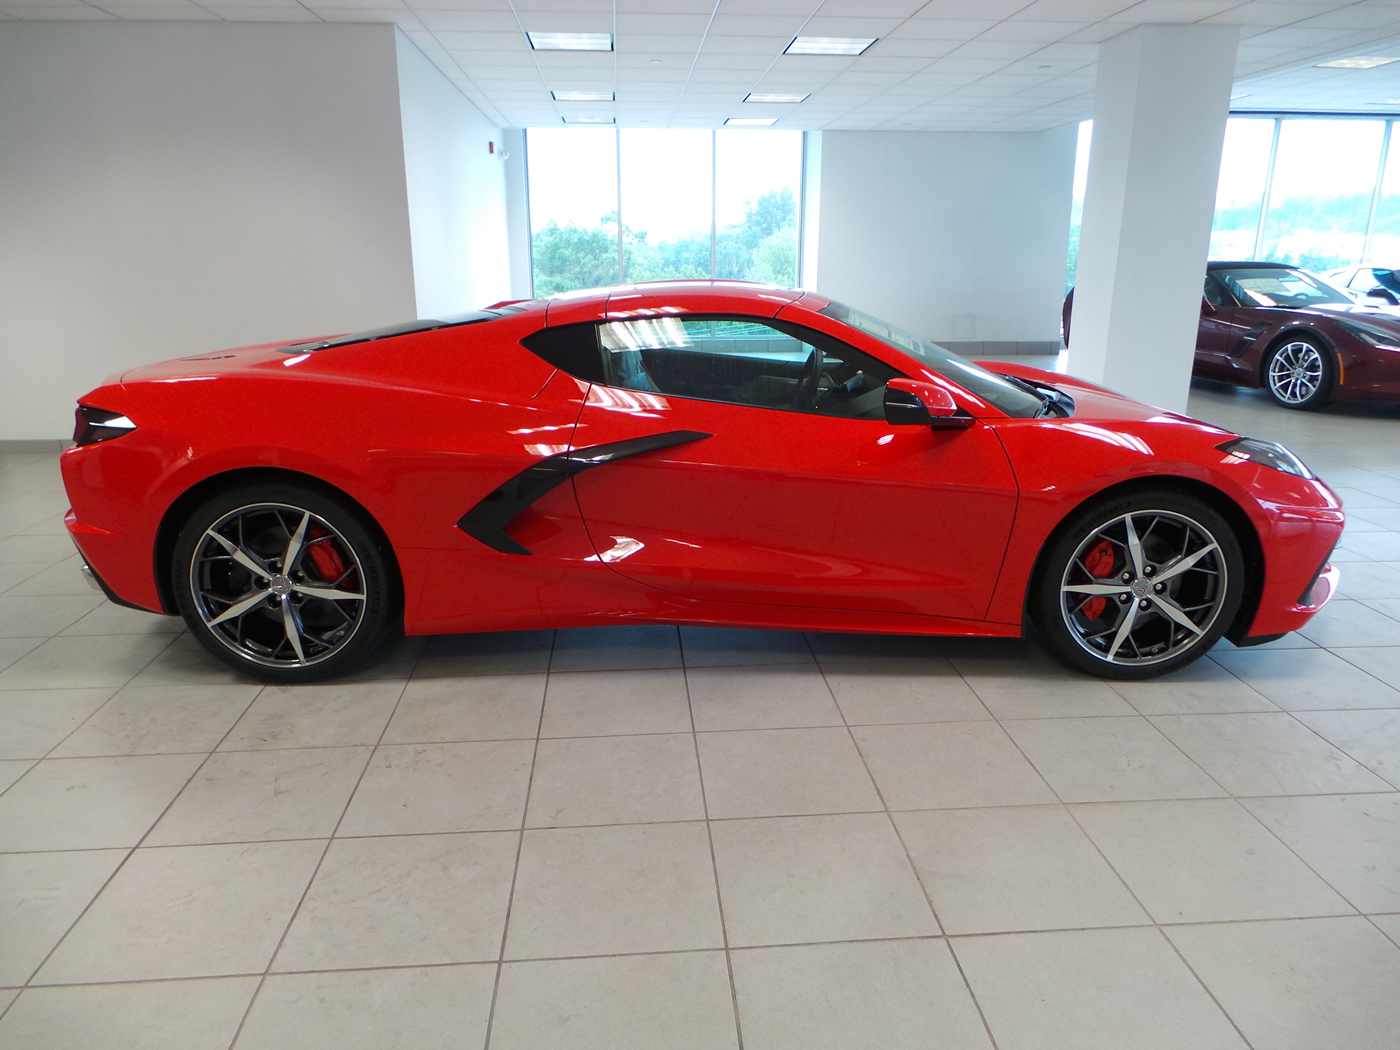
<point x="567" y="257"/>
<point x="761" y="248"/>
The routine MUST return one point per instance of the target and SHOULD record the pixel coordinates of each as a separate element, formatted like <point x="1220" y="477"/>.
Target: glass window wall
<point x="1239" y="195"/>
<point x="1317" y="192"/>
<point x="1320" y="202"/>
<point x="573" y="208"/>
<point x="685" y="203"/>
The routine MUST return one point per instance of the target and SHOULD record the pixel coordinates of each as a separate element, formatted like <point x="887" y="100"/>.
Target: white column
<point x="1160" y="105"/>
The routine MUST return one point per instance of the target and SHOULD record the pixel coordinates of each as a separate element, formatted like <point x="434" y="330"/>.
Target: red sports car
<point x="710" y="453"/>
<point x="1274" y="326"/>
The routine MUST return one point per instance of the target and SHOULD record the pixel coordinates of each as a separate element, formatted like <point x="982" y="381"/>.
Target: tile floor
<point x="644" y="837"/>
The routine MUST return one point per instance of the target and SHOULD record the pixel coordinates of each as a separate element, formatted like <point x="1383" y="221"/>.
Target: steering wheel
<point x="807" y="387"/>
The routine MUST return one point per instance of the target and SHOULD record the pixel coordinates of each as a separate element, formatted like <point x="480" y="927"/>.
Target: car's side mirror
<point x="913" y="402"/>
<point x="1207" y="310"/>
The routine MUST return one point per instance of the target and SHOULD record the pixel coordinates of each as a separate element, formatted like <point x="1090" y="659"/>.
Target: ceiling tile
<point x="1149" y="11"/>
<point x="940" y="29"/>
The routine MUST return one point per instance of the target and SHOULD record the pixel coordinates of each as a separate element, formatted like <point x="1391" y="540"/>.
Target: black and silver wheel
<point x="1298" y="373"/>
<point x="1140" y="586"/>
<point x="281" y="582"/>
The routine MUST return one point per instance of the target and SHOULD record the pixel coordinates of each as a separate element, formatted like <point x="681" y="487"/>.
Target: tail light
<point x="97" y="424"/>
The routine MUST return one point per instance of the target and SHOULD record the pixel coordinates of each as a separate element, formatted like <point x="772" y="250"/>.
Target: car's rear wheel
<point x="1298" y="373"/>
<point x="1139" y="586"/>
<point x="282" y="582"/>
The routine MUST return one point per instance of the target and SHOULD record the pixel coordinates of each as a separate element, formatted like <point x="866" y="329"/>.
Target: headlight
<point x="97" y="424"/>
<point x="1267" y="454"/>
<point x="1372" y="335"/>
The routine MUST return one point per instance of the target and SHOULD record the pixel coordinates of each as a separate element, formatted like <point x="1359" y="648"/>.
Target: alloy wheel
<point x="1295" y="373"/>
<point x="1143" y="587"/>
<point x="278" y="585"/>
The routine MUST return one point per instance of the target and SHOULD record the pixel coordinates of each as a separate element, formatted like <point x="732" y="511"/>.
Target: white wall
<point x="456" y="191"/>
<point x="173" y="188"/>
<point x="959" y="237"/>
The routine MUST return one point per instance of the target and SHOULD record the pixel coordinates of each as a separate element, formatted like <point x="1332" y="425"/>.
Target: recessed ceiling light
<point x="584" y="96"/>
<point x="1359" y="62"/>
<point x="1385" y="102"/>
<point x="571" y="41"/>
<point x="588" y="120"/>
<point x="759" y="96"/>
<point x="1233" y="97"/>
<point x="751" y="122"/>
<point x="829" y="45"/>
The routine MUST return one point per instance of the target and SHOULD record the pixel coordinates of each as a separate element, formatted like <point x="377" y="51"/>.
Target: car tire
<point x="1298" y="373"/>
<point x="232" y="549"/>
<point x="1117" y="613"/>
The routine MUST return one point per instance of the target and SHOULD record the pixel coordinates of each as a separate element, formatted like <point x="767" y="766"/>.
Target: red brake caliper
<point x="1098" y="563"/>
<point x="325" y="557"/>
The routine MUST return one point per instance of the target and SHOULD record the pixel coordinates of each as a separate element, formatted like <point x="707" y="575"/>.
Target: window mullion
<point x="1376" y="192"/>
<point x="1268" y="190"/>
<point x="621" y="268"/>
<point x="714" y="195"/>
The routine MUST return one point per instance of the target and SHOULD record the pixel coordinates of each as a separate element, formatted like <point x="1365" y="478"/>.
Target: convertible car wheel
<point x="1298" y="374"/>
<point x="282" y="583"/>
<point x="1140" y="586"/>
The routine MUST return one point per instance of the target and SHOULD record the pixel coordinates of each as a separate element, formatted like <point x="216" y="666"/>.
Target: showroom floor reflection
<point x="651" y="837"/>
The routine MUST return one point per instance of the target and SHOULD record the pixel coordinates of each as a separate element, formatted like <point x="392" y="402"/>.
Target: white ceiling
<point x="987" y="65"/>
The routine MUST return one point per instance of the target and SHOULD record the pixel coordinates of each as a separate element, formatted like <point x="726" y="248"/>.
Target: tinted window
<point x="741" y="361"/>
<point x="1276" y="286"/>
<point x="1212" y="292"/>
<point x="1008" y="397"/>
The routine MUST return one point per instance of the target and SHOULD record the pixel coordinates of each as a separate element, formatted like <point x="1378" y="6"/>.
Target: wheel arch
<point x="1250" y="545"/>
<point x="180" y="509"/>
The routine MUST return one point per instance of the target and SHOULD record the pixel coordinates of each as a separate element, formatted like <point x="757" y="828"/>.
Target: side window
<point x="1212" y="292"/>
<point x="743" y="361"/>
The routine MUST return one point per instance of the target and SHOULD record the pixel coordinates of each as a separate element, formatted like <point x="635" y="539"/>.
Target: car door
<point x="1216" y="334"/>
<point x="775" y="478"/>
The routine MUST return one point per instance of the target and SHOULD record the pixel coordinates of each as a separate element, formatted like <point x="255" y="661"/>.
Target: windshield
<point x="1274" y="286"/>
<point x="1007" y="396"/>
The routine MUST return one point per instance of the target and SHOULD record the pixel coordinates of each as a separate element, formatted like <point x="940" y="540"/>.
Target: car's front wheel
<point x="282" y="582"/>
<point x="1298" y="373"/>
<point x="1139" y="586"/>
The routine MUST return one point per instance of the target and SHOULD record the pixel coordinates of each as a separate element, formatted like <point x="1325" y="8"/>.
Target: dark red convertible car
<point x="711" y="453"/>
<point x="1274" y="326"/>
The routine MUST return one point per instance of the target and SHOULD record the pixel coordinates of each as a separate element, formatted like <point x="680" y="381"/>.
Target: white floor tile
<point x="1316" y="984"/>
<point x="637" y="1002"/>
<point x="160" y="1015"/>
<point x="896" y="995"/>
<point x="437" y="1008"/>
<point x="1091" y="990"/>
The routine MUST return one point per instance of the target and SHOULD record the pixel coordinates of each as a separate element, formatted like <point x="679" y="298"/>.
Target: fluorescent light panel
<point x="829" y="45"/>
<point x="571" y="41"/>
<point x="584" y="96"/>
<point x="1359" y="62"/>
<point x="751" y="122"/>
<point x="759" y="96"/>
<point x="588" y="120"/>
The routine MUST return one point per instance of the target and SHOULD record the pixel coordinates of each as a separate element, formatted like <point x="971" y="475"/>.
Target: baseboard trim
<point x="34" y="445"/>
<point x="994" y="348"/>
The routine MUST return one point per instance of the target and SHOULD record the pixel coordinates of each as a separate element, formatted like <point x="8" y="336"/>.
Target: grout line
<point x="131" y="852"/>
<point x="714" y="862"/>
<point x="519" y="850"/>
<point x="1205" y="987"/>
<point x="320" y="861"/>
